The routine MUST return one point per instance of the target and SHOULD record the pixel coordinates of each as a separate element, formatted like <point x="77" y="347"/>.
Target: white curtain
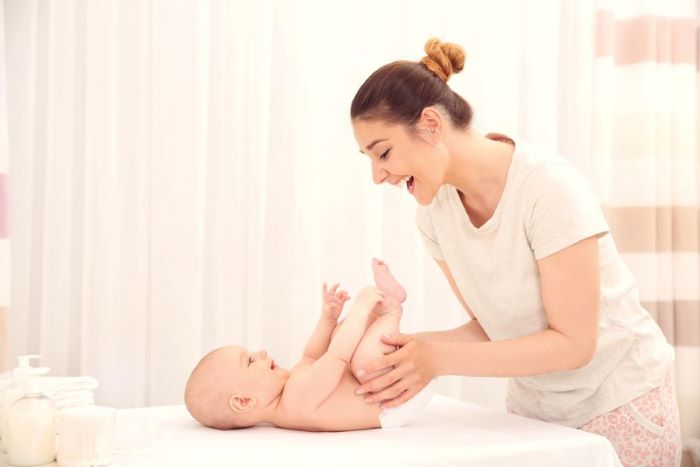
<point x="4" y="231"/>
<point x="184" y="173"/>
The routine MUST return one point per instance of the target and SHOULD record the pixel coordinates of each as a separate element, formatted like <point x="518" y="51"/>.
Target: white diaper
<point x="402" y="414"/>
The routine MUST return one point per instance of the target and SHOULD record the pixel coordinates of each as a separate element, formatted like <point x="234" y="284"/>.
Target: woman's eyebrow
<point x="371" y="145"/>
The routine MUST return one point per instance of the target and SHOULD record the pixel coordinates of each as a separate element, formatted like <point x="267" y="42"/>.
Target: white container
<point x="15" y="389"/>
<point x="5" y="383"/>
<point x="85" y="436"/>
<point x="31" y="424"/>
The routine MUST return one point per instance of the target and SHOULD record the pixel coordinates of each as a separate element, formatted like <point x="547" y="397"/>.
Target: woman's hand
<point x="413" y="370"/>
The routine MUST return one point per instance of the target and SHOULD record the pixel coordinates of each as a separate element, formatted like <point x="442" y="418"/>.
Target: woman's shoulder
<point x="543" y="169"/>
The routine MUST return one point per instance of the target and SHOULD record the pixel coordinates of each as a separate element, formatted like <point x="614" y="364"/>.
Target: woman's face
<point x="414" y="162"/>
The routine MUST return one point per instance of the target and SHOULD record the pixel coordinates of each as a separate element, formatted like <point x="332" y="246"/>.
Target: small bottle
<point x="31" y="428"/>
<point x="15" y="389"/>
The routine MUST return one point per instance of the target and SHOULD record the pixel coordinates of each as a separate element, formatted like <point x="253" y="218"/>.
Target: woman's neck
<point x="477" y="166"/>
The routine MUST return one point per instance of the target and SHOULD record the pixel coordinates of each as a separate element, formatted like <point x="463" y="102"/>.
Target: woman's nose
<point x="378" y="174"/>
<point x="262" y="354"/>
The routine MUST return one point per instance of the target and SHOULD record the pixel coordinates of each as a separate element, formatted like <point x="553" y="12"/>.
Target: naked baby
<point x="233" y="388"/>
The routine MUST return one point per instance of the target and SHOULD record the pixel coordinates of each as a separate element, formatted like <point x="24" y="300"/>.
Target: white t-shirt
<point x="548" y="205"/>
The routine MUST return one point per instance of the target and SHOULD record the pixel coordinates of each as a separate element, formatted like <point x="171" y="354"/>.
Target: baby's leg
<point x="384" y="319"/>
<point x="389" y="316"/>
<point x="371" y="345"/>
<point x="372" y="317"/>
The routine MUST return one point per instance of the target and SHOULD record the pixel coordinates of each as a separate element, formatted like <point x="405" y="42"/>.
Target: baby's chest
<point x="343" y="409"/>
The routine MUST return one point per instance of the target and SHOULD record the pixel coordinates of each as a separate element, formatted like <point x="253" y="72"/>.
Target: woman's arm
<point x="535" y="354"/>
<point x="570" y="285"/>
<point x="471" y="331"/>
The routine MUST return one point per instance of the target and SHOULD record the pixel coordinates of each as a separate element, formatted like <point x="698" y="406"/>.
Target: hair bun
<point x="443" y="58"/>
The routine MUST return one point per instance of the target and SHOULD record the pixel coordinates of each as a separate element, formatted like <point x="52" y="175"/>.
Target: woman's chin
<point x="421" y="199"/>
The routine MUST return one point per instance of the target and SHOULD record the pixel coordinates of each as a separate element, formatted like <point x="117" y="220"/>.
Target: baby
<point x="233" y="388"/>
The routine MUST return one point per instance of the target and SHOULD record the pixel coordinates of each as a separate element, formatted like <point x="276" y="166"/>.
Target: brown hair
<point x="399" y="91"/>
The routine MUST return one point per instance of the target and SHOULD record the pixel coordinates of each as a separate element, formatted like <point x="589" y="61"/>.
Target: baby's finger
<point x="334" y="287"/>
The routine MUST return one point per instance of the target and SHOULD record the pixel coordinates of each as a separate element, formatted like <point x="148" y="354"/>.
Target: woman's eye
<point x="384" y="156"/>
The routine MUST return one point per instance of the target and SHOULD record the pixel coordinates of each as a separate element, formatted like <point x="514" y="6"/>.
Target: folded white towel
<point x="68" y="394"/>
<point x="74" y="402"/>
<point x="57" y="384"/>
<point x="57" y="396"/>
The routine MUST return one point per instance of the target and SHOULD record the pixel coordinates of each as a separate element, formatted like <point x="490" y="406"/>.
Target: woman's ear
<point x="242" y="403"/>
<point x="431" y="122"/>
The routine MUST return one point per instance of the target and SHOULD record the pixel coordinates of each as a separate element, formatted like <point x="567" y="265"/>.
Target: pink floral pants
<point x="645" y="431"/>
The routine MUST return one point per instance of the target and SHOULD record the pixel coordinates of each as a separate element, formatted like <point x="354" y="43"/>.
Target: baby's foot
<point x="386" y="282"/>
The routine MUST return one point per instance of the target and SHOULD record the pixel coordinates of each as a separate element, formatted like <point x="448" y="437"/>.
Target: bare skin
<point x="318" y="393"/>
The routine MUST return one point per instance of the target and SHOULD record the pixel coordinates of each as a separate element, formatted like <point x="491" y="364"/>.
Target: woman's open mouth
<point x="409" y="184"/>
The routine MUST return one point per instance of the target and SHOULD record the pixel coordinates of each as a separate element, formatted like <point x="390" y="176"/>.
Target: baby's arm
<point x="333" y="302"/>
<point x="318" y="342"/>
<point x="323" y="376"/>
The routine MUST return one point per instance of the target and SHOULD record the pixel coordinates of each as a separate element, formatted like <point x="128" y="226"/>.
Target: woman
<point x="522" y="240"/>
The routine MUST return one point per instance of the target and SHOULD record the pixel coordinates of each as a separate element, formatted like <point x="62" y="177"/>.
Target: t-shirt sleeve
<point x="564" y="210"/>
<point x="424" y="221"/>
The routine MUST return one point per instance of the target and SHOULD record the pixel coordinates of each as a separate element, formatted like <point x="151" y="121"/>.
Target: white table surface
<point x="448" y="432"/>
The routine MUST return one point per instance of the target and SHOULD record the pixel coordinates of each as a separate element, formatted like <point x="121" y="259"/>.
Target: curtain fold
<point x="645" y="162"/>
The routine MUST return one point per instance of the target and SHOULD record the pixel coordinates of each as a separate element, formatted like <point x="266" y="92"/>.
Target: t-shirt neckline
<point x="493" y="220"/>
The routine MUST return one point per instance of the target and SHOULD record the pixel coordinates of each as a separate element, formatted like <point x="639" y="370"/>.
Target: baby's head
<point x="233" y="388"/>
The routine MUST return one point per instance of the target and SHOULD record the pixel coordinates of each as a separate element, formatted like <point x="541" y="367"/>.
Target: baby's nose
<point x="263" y="354"/>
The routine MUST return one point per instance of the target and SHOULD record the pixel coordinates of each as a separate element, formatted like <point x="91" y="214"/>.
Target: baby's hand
<point x="333" y="301"/>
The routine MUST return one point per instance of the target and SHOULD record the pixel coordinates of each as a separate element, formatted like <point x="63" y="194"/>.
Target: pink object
<point x="386" y="282"/>
<point x="645" y="431"/>
<point x="645" y="38"/>
<point x="3" y="205"/>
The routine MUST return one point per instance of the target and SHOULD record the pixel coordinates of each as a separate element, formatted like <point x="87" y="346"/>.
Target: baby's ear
<point x="242" y="403"/>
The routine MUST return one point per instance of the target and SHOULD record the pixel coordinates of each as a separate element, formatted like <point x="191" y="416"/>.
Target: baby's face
<point x="232" y="372"/>
<point x="254" y="373"/>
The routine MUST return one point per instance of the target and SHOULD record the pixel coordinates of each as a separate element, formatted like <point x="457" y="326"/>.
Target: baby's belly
<point x="344" y="410"/>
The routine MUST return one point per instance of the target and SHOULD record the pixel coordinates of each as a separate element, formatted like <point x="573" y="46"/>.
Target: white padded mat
<point x="448" y="432"/>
